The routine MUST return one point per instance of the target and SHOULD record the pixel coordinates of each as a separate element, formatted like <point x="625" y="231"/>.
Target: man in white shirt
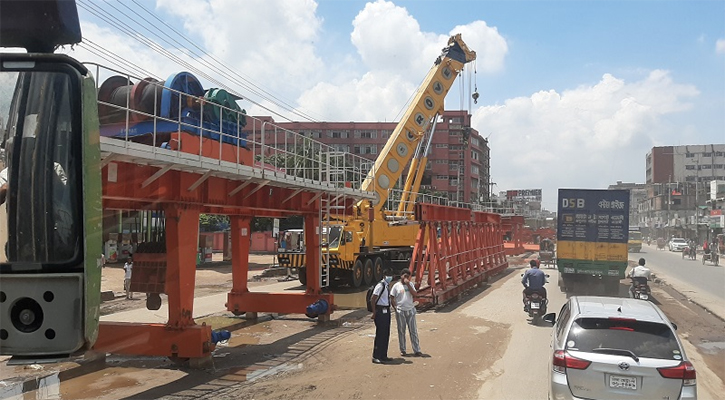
<point x="402" y="297"/>
<point x="639" y="274"/>
<point x="128" y="267"/>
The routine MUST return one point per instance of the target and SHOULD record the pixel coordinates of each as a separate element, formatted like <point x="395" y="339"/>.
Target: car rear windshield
<point x="644" y="339"/>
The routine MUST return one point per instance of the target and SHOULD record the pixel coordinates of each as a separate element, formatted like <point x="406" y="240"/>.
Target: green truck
<point x="592" y="236"/>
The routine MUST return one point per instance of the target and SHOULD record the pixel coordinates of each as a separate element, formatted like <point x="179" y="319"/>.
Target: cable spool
<point x="114" y="90"/>
<point x="144" y="95"/>
<point x="183" y="82"/>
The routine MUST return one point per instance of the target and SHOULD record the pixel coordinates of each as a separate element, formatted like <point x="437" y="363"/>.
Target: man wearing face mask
<point x="381" y="315"/>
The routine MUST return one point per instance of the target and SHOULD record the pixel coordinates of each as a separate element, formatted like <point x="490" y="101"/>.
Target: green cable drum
<point x="225" y="99"/>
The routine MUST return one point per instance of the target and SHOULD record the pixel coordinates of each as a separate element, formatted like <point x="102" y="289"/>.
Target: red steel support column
<point x="182" y="241"/>
<point x="312" y="253"/>
<point x="240" y="236"/>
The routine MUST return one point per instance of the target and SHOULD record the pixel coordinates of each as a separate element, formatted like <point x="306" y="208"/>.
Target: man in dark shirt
<point x="533" y="281"/>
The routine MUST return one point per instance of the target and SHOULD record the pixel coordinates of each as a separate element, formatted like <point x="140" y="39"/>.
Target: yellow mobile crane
<point x="361" y="246"/>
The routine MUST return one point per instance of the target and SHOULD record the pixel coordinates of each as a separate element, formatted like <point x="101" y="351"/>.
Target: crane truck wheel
<point x="369" y="272"/>
<point x="302" y="272"/>
<point x="357" y="273"/>
<point x="378" y="269"/>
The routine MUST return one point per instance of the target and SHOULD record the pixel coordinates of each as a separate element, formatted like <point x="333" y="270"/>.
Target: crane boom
<point x="428" y="102"/>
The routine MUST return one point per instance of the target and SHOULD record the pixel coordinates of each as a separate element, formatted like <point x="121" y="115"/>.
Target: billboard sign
<point x="524" y="195"/>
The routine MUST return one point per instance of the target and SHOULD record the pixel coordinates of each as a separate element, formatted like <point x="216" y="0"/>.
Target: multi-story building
<point x="459" y="161"/>
<point x="637" y="194"/>
<point x="678" y="185"/>
<point x="690" y="163"/>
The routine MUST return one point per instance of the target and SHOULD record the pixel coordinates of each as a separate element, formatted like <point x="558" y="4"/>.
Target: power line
<point x="123" y="27"/>
<point x="211" y="56"/>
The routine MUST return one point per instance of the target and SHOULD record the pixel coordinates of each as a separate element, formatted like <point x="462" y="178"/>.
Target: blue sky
<point x="573" y="93"/>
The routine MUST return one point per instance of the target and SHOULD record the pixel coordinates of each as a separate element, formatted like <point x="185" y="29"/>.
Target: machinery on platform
<point x="358" y="247"/>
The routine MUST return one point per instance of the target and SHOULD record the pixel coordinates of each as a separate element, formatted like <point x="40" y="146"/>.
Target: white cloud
<point x="586" y="137"/>
<point x="270" y="42"/>
<point x="397" y="54"/>
<point x="720" y="46"/>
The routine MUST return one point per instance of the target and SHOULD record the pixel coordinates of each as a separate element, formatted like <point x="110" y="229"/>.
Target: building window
<point x="474" y="141"/>
<point x="335" y="134"/>
<point x="707" y="154"/>
<point x="689" y="155"/>
<point x="719" y="166"/>
<point x="441" y="146"/>
<point x="474" y="155"/>
<point x="366" y="134"/>
<point x="442" y="177"/>
<point x="455" y="120"/>
<point x="690" y="167"/>
<point x="474" y="170"/>
<point x="718" y="153"/>
<point x="441" y="161"/>
<point x="706" y="166"/>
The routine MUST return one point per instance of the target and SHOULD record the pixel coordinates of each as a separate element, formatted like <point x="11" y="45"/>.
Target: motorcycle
<point x="690" y="251"/>
<point x="536" y="304"/>
<point x="640" y="289"/>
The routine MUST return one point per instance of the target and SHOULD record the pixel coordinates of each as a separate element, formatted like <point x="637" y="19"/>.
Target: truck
<point x="634" y="243"/>
<point x="592" y="237"/>
<point x="357" y="248"/>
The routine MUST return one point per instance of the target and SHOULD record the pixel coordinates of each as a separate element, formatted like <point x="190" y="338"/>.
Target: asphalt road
<point x="706" y="278"/>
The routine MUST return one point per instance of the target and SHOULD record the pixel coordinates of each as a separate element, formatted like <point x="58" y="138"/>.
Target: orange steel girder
<point x="241" y="300"/>
<point x="455" y="250"/>
<point x="136" y="187"/>
<point x="183" y="198"/>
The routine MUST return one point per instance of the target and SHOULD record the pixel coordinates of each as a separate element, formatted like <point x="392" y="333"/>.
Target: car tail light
<point x="684" y="371"/>
<point x="562" y="360"/>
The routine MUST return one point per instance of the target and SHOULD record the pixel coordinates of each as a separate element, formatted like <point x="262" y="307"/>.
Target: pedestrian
<point x="381" y="315"/>
<point x="402" y="294"/>
<point x="128" y="267"/>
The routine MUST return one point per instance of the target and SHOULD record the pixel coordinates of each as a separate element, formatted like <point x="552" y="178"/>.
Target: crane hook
<point x="475" y="97"/>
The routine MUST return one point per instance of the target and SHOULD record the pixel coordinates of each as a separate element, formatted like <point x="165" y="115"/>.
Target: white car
<point x="617" y="348"/>
<point x="678" y="244"/>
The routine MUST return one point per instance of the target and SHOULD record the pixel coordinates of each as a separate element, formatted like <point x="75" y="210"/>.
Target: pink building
<point x="459" y="161"/>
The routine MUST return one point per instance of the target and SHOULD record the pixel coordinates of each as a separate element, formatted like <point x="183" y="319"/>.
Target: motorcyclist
<point x="639" y="275"/>
<point x="533" y="281"/>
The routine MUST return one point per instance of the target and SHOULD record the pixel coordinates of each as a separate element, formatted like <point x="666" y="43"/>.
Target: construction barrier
<point x="455" y="250"/>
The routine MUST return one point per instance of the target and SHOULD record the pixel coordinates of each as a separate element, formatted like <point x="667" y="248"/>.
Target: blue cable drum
<point x="183" y="82"/>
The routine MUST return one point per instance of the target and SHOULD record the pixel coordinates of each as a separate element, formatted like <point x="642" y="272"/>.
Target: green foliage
<point x="213" y="222"/>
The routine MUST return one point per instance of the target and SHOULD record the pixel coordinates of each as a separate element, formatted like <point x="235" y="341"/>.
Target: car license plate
<point x="622" y="382"/>
<point x="535" y="306"/>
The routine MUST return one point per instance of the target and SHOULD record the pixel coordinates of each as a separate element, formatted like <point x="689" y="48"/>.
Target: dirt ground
<point x="290" y="356"/>
<point x="210" y="278"/>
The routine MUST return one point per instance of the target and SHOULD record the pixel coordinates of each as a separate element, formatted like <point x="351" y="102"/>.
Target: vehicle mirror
<point x="550" y="318"/>
<point x="547" y="275"/>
